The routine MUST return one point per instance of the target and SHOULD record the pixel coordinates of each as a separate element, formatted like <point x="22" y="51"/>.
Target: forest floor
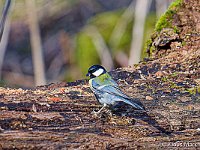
<point x="58" y="116"/>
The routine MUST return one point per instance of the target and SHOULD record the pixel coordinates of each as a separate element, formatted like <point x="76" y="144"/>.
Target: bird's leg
<point x="104" y="105"/>
<point x="96" y="113"/>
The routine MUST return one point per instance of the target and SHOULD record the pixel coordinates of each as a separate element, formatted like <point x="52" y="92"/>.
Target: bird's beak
<point x="88" y="74"/>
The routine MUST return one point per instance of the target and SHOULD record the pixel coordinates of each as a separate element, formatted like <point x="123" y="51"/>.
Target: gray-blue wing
<point x="116" y="94"/>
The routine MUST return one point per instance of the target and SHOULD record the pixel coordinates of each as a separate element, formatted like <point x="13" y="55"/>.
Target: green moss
<point x="198" y="89"/>
<point x="174" y="74"/>
<point x="148" y="47"/>
<point x="149" y="29"/>
<point x="165" y="19"/>
<point x="183" y="43"/>
<point x="176" y="30"/>
<point x="164" y="79"/>
<point x="194" y="90"/>
<point x="175" y="4"/>
<point x="173" y="85"/>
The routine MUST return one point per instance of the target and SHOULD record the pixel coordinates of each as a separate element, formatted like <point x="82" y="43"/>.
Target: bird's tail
<point x="134" y="104"/>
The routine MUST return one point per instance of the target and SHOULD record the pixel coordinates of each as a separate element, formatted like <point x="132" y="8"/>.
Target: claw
<point x="96" y="113"/>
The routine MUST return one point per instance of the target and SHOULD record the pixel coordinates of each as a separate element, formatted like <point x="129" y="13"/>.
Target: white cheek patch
<point x="98" y="72"/>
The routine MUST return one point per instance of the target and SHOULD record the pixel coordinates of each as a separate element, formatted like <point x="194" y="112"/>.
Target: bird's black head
<point x="95" y="71"/>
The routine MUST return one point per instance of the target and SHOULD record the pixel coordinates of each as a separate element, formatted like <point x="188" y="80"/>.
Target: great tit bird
<point x="106" y="90"/>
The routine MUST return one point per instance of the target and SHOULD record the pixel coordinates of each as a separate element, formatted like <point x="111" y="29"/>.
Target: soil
<point x="59" y="116"/>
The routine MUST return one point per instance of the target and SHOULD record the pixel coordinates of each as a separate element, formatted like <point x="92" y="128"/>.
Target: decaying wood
<point x="58" y="116"/>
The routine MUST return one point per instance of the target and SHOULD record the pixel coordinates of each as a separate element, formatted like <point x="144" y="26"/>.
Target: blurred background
<point x="47" y="41"/>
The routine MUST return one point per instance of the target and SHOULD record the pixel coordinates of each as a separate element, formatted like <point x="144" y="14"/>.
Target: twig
<point x="138" y="30"/>
<point x="4" y="16"/>
<point x="39" y="71"/>
<point x="3" y="44"/>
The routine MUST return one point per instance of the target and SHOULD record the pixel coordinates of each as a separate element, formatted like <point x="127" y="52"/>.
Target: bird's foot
<point x="96" y="113"/>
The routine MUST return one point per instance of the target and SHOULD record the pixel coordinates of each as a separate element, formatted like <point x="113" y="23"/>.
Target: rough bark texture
<point x="58" y="116"/>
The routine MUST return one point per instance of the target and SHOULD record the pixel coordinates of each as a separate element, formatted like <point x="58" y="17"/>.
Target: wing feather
<point x="115" y="90"/>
